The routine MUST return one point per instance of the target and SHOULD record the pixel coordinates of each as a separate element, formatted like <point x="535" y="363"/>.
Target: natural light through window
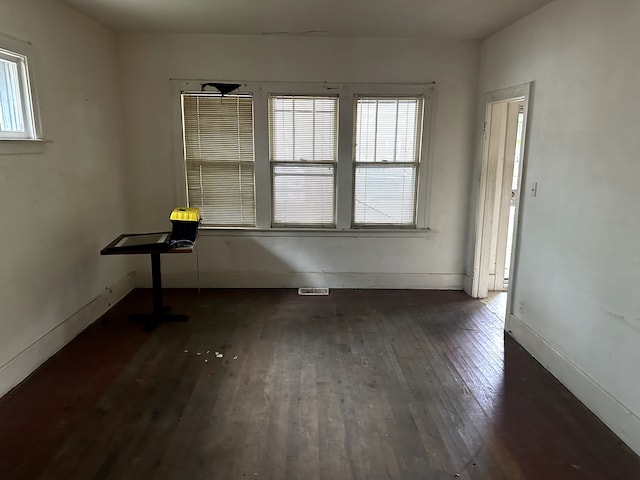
<point x="388" y="134"/>
<point x="299" y="157"/>
<point x="303" y="150"/>
<point x="219" y="157"/>
<point x="16" y="115"/>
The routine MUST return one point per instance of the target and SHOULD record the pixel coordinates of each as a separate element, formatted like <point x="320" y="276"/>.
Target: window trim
<point x="242" y="159"/>
<point x="32" y="140"/>
<point x="275" y="163"/>
<point x="344" y="174"/>
<point x="417" y="164"/>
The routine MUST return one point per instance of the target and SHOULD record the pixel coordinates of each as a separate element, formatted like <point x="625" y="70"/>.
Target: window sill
<point x="307" y="232"/>
<point x="22" y="147"/>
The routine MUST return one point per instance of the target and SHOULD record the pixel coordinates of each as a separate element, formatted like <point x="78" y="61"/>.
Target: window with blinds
<point x="219" y="157"/>
<point x="303" y="135"/>
<point x="388" y="135"/>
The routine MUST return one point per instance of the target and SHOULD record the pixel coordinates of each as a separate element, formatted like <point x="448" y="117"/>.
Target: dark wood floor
<point x="356" y="385"/>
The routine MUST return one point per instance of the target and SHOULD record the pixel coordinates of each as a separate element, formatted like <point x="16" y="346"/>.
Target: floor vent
<point x="313" y="291"/>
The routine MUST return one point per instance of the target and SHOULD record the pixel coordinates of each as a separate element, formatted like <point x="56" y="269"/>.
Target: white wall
<point x="433" y="260"/>
<point x="576" y="302"/>
<point x="60" y="206"/>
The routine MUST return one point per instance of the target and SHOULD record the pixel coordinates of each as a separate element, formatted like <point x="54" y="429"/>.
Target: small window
<point x="303" y="133"/>
<point x="388" y="136"/>
<point x="219" y="158"/>
<point x="16" y="107"/>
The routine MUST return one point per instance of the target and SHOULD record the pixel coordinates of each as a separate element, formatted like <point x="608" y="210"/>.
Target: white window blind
<point x="388" y="135"/>
<point x="303" y="134"/>
<point x="219" y="157"/>
<point x="16" y="118"/>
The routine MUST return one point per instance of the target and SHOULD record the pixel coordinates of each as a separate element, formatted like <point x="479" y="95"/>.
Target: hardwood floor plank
<point x="334" y="404"/>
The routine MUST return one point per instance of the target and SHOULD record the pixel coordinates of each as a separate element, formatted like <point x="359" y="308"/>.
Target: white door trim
<point x="479" y="278"/>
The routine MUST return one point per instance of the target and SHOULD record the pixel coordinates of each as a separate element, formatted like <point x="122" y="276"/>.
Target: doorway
<point x="504" y="138"/>
<point x="496" y="227"/>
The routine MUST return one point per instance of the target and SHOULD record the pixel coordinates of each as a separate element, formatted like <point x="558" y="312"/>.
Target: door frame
<point x="482" y="234"/>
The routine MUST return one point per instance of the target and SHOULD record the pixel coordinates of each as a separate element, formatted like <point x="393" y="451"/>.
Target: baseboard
<point x="26" y="362"/>
<point x="434" y="281"/>
<point x="621" y="420"/>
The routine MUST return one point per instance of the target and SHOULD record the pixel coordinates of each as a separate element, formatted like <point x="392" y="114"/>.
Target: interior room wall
<point x="431" y="260"/>
<point x="62" y="204"/>
<point x="575" y="305"/>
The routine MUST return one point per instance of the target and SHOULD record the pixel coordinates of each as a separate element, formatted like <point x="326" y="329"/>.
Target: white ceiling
<point x="461" y="19"/>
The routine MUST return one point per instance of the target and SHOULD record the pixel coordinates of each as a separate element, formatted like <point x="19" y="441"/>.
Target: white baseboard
<point x="435" y="281"/>
<point x="26" y="362"/>
<point x="620" y="419"/>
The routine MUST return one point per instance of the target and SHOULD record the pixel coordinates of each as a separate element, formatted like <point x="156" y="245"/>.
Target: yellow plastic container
<point x="185" y="214"/>
<point x="185" y="221"/>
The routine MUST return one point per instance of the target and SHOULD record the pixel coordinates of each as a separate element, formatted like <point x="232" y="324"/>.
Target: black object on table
<point x="153" y="244"/>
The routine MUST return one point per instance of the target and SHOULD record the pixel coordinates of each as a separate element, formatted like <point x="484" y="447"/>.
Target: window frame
<point x="344" y="175"/>
<point x="22" y="54"/>
<point x="417" y="164"/>
<point x="240" y="161"/>
<point x="293" y="163"/>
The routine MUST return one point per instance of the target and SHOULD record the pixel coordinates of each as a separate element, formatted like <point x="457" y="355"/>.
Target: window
<point x="341" y="158"/>
<point x="303" y="152"/>
<point x="17" y="121"/>
<point x="219" y="158"/>
<point x="388" y="136"/>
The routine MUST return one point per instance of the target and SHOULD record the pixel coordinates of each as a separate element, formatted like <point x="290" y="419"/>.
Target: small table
<point x="153" y="244"/>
